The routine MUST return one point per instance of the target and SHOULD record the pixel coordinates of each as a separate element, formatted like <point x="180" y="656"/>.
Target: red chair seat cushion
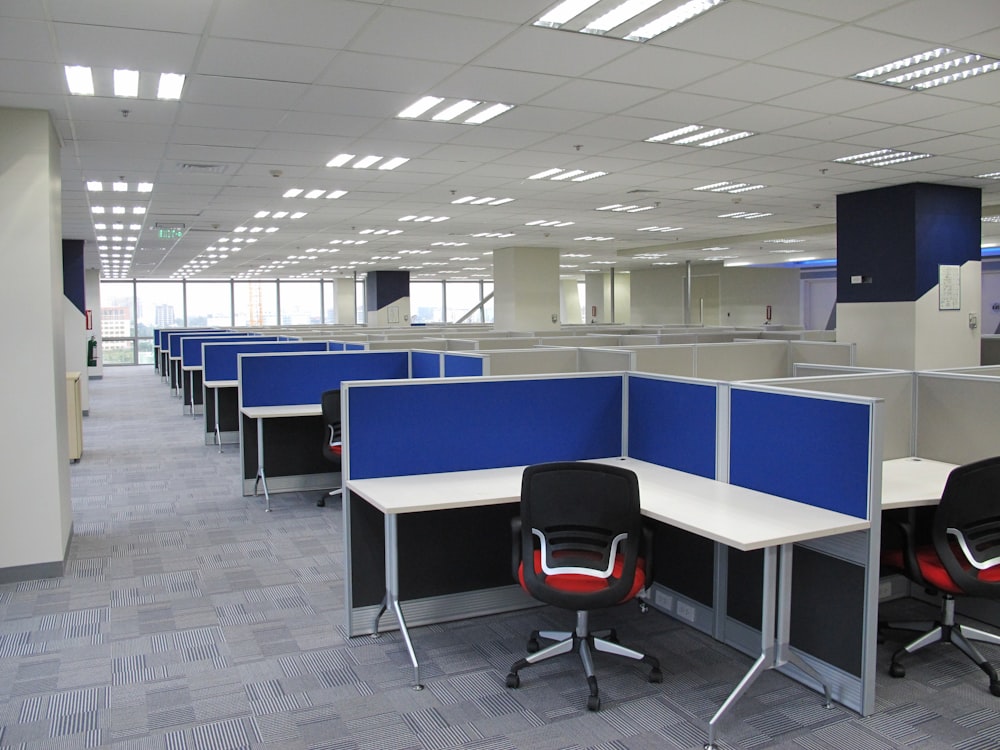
<point x="933" y="570"/>
<point x="582" y="584"/>
<point x="338" y="449"/>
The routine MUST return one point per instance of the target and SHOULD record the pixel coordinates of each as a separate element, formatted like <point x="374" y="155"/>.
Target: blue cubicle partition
<point x="824" y="450"/>
<point x="425" y="364"/>
<point x="189" y="351"/>
<point x="425" y="427"/>
<point x="673" y="422"/>
<point x="162" y="339"/>
<point x="190" y="346"/>
<point x="219" y="359"/>
<point x="292" y="456"/>
<point x="301" y="378"/>
<point x="462" y="365"/>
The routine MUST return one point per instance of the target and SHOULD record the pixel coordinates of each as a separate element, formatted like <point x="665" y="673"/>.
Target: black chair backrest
<point x="966" y="528"/>
<point x="330" y="404"/>
<point x="580" y="509"/>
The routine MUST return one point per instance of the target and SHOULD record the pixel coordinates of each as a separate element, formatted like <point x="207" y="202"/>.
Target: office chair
<point x="330" y="404"/>
<point x="960" y="558"/>
<point x="582" y="537"/>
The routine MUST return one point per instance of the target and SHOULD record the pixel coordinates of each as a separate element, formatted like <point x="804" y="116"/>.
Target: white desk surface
<point x="736" y="516"/>
<point x="912" y="481"/>
<point x="220" y="383"/>
<point x="285" y="410"/>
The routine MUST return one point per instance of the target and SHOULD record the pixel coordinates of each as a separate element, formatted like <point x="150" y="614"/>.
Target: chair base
<point x="321" y="503"/>
<point x="584" y="643"/>
<point x="946" y="630"/>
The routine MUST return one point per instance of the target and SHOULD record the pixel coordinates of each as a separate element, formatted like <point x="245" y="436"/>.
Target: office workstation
<point x="448" y="477"/>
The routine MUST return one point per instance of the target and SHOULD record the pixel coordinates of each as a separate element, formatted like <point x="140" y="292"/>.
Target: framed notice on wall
<point x="949" y="287"/>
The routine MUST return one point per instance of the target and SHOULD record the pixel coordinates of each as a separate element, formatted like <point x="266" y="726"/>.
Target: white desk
<point x="910" y="482"/>
<point x="259" y="414"/>
<point x="736" y="516"/>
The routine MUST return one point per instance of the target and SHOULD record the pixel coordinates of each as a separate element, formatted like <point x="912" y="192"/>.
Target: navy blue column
<point x="387" y="295"/>
<point x="891" y="246"/>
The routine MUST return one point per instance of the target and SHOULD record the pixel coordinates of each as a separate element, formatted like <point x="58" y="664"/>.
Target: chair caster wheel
<point x="513" y="680"/>
<point x="898" y="670"/>
<point x="995" y="688"/>
<point x="655" y="675"/>
<point x="532" y="645"/>
<point x="321" y="503"/>
<point x="594" y="703"/>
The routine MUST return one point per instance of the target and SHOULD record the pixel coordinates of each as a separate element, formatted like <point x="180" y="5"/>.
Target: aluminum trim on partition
<point x="292" y="483"/>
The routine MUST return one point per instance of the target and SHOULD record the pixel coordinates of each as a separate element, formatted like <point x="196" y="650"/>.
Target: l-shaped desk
<point x="726" y="513"/>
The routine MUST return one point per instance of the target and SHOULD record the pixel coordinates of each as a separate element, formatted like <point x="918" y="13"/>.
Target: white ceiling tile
<point x="275" y="62"/>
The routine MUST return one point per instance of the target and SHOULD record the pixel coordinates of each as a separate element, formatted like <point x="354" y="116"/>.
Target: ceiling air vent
<point x="197" y="168"/>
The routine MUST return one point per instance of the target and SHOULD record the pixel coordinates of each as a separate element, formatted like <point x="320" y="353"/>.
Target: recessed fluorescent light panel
<point x="883" y="157"/>
<point x="464" y="111"/>
<point x="929" y="69"/>
<point x="660" y="229"/>
<point x="170" y="86"/>
<point x="573" y="175"/>
<point x="80" y="80"/>
<point x="744" y="215"/>
<point x="634" y="20"/>
<point x="625" y="208"/>
<point x="126" y="83"/>
<point x="472" y="200"/>
<point x="729" y="187"/>
<point x="989" y="176"/>
<point x="699" y="135"/>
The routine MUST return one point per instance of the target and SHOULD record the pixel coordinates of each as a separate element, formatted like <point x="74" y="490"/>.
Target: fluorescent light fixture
<point x="80" y="80"/>
<point x="313" y="194"/>
<point x="881" y="158"/>
<point x="279" y="215"/>
<point x="138" y="210"/>
<point x="729" y="187"/>
<point x="929" y="69"/>
<point x="544" y="174"/>
<point x="420" y="106"/>
<point x="987" y="176"/>
<point x="744" y="215"/>
<point x="394" y="162"/>
<point x="126" y="82"/>
<point x="699" y="135"/>
<point x="336" y="194"/>
<point x="292" y="193"/>
<point x="262" y="214"/>
<point x="170" y="87"/>
<point x="676" y="17"/>
<point x="299" y="214"/>
<point x="660" y="229"/>
<point x="568" y="174"/>
<point x="339" y="160"/>
<point x="617" y="16"/>
<point x="144" y="187"/>
<point x="454" y="110"/>
<point x="488" y="113"/>
<point x="118" y="209"/>
<point x="365" y="162"/>
<point x="589" y="176"/>
<point x="119" y="187"/>
<point x="564" y="12"/>
<point x="95" y="186"/>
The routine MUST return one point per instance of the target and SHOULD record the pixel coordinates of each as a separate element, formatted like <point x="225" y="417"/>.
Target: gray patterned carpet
<point x="189" y="618"/>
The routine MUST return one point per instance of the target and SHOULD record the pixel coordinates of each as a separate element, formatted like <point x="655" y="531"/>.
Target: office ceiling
<point x="274" y="91"/>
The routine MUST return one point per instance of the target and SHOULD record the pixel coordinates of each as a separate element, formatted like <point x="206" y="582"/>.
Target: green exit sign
<point x="170" y="234"/>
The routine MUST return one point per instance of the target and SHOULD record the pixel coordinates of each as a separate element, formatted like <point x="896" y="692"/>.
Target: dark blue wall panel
<point x="74" y="278"/>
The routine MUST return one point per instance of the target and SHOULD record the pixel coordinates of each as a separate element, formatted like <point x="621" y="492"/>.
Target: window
<point x="426" y="302"/>
<point x="255" y="303"/>
<point x="462" y="296"/>
<point x="209" y="304"/>
<point x="118" y="323"/>
<point x="300" y="302"/>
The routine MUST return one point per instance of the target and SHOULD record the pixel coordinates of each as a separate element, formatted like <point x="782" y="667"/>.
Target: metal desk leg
<point x="191" y="390"/>
<point x="261" y="479"/>
<point x="391" y="600"/>
<point x="218" y="434"/>
<point x="774" y="651"/>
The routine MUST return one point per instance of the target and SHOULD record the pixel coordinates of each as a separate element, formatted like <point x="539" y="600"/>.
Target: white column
<point x="35" y="506"/>
<point x="526" y="289"/>
<point x="345" y="301"/>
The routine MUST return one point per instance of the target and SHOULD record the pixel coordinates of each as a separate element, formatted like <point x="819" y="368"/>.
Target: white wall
<point x="35" y="504"/>
<point x="657" y="295"/>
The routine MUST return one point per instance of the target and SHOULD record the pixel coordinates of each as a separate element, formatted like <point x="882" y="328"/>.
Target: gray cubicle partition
<point x="958" y="416"/>
<point x="605" y="360"/>
<point x="989" y="350"/>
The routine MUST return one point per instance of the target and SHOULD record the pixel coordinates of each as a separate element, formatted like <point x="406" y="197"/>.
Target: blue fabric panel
<point x="425" y="365"/>
<point x="673" y="424"/>
<point x="274" y="380"/>
<point x="174" y="338"/>
<point x="354" y="347"/>
<point x="807" y="449"/>
<point x="191" y="346"/>
<point x="458" y="366"/>
<point x="334" y="346"/>
<point x="220" y="361"/>
<point x="424" y="428"/>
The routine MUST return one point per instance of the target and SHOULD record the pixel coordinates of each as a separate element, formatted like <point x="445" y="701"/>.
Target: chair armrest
<point x="515" y="546"/>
